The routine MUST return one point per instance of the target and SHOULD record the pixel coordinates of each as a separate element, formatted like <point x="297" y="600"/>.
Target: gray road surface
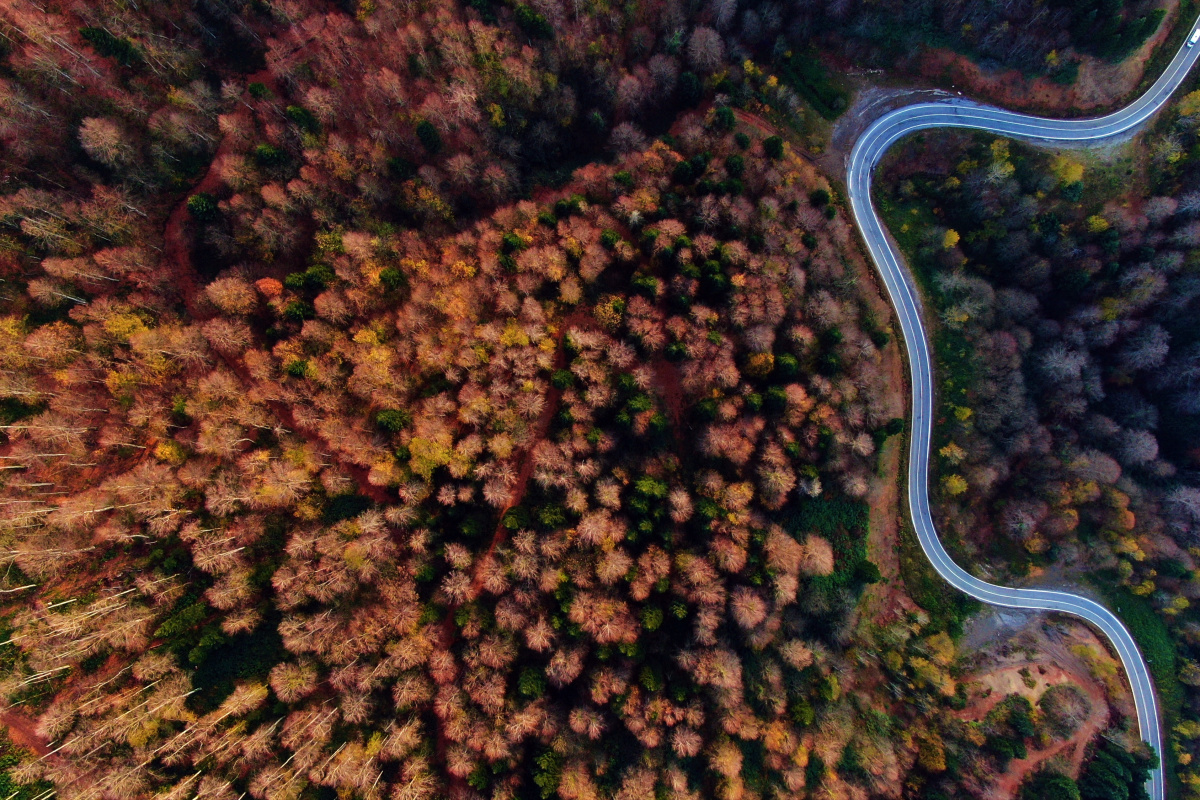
<point x="960" y="113"/>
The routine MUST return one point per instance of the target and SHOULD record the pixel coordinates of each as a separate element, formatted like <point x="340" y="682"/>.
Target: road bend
<point x="868" y="150"/>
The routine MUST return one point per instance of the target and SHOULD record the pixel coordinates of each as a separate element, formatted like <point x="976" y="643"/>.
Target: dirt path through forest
<point x="177" y="251"/>
<point x="1010" y="680"/>
<point x="23" y="732"/>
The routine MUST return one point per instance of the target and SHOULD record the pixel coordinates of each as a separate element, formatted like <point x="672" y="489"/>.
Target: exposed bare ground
<point x="1009" y="680"/>
<point x="23" y="732"/>
<point x="1034" y="656"/>
<point x="1100" y="84"/>
<point x="869" y="105"/>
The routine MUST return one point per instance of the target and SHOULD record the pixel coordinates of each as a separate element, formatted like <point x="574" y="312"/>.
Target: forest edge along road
<point x="866" y="154"/>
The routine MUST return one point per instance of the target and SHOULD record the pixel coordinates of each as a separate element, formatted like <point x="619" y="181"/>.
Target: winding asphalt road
<point x="868" y="150"/>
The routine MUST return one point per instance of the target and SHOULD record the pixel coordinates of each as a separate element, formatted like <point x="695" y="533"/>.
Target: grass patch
<point x="954" y="374"/>
<point x="1151" y="634"/>
<point x="1154" y="640"/>
<point x="948" y="608"/>
<point x="115" y="47"/>
<point x="805" y="73"/>
<point x="10" y="756"/>
<point x="1162" y="55"/>
<point x="844" y="523"/>
<point x="953" y="355"/>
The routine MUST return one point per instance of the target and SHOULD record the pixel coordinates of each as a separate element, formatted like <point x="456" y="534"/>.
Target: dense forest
<point x="1035" y="38"/>
<point x="424" y="513"/>
<point x="423" y="400"/>
<point x="1068" y="346"/>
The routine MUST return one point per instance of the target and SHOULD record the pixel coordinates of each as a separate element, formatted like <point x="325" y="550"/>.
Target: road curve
<point x="868" y="150"/>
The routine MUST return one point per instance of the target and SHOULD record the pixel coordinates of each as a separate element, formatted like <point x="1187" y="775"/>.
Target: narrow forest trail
<point x="23" y="731"/>
<point x="1008" y="680"/>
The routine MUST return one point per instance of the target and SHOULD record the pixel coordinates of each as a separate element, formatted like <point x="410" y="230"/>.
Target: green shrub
<point x="650" y="487"/>
<point x="394" y="420"/>
<point x="724" y="119"/>
<point x="297" y="368"/>
<point x="1067" y="73"/>
<point x="533" y="23"/>
<point x="775" y="400"/>
<point x="814" y="773"/>
<point x="568" y="206"/>
<point x="202" y="207"/>
<point x="650" y="679"/>
<point x="850" y="765"/>
<point x="210" y="639"/>
<point x="516" y="518"/>
<point x="547" y="773"/>
<point x="948" y="608"/>
<point x="645" y="284"/>
<point x="401" y="168"/>
<point x="316" y="277"/>
<point x="298" y="311"/>
<point x="1047" y="784"/>
<point x="1113" y="773"/>
<point x="303" y="118"/>
<point x="552" y="516"/>
<point x="182" y="621"/>
<point x="393" y="279"/>
<point x="1153" y="638"/>
<point x="787" y="366"/>
<point x="268" y="155"/>
<point x="652" y="618"/>
<point x="429" y="137"/>
<point x="808" y="77"/>
<point x="122" y="50"/>
<point x="691" y="88"/>
<point x="11" y="756"/>
<point x="1072" y="192"/>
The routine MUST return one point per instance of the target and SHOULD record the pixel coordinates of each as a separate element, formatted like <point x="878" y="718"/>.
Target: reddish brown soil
<point x="553" y="398"/>
<point x="577" y="319"/>
<point x="1099" y="85"/>
<point x="23" y="732"/>
<point x="500" y="535"/>
<point x="1008" y="680"/>
<point x="667" y="375"/>
<point x="177" y="252"/>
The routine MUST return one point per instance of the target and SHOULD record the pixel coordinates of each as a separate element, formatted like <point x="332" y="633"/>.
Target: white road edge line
<point x="867" y="151"/>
